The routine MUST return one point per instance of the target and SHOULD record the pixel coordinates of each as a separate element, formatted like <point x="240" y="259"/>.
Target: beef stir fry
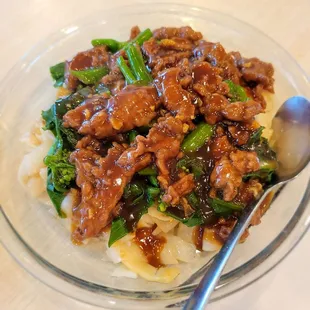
<point x="165" y="119"/>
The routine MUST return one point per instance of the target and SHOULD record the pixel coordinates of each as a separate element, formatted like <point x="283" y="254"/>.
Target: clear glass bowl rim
<point x="179" y="293"/>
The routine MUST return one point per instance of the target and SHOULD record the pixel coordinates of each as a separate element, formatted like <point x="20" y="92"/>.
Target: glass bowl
<point x="37" y="239"/>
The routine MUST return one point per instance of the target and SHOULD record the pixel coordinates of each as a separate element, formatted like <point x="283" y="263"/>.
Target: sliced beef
<point x="207" y="80"/>
<point x="228" y="171"/>
<point x="226" y="178"/>
<point x="215" y="54"/>
<point x="220" y="145"/>
<point x="134" y="31"/>
<point x="244" y="162"/>
<point x="176" y="99"/>
<point x="98" y="117"/>
<point x="163" y="55"/>
<point x="212" y="107"/>
<point x="240" y="134"/>
<point x="242" y="111"/>
<point x="260" y="72"/>
<point x="172" y="32"/>
<point x="102" y="183"/>
<point x="95" y="57"/>
<point x="164" y="141"/>
<point x="179" y="189"/>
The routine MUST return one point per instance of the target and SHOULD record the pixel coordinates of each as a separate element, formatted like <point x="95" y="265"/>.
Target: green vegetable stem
<point x="236" y="92"/>
<point x="114" y="45"/>
<point x="132" y="135"/>
<point x="137" y="64"/>
<point x="150" y="170"/>
<point x="197" y="138"/>
<point x="90" y="76"/>
<point x="129" y="77"/>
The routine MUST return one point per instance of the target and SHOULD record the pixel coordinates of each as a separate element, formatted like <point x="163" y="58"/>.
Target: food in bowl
<point x="152" y="146"/>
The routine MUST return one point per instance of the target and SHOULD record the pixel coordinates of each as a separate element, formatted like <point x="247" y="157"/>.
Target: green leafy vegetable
<point x="61" y="171"/>
<point x="236" y="92"/>
<point x="256" y="136"/>
<point x="195" y="219"/>
<point x="114" y="45"/>
<point x="267" y="157"/>
<point x="191" y="165"/>
<point x="133" y="193"/>
<point x="118" y="230"/>
<point x="90" y="76"/>
<point x="193" y="200"/>
<point x="58" y="72"/>
<point x="224" y="207"/>
<point x="137" y="65"/>
<point x="129" y="77"/>
<point x="197" y="138"/>
<point x="139" y="198"/>
<point x="55" y="196"/>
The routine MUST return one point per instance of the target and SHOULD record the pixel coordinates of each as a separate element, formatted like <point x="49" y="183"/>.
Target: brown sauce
<point x="264" y="206"/>
<point x="150" y="245"/>
<point x="204" y="74"/>
<point x="198" y="237"/>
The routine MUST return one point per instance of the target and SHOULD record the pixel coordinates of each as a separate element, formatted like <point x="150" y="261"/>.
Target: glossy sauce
<point x="198" y="237"/>
<point x="150" y="245"/>
<point x="264" y="206"/>
<point x="205" y="74"/>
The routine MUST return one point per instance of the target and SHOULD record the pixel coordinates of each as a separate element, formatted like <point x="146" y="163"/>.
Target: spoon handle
<point x="201" y="295"/>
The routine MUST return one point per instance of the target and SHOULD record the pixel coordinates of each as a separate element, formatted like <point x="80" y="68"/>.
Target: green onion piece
<point x="153" y="180"/>
<point x="197" y="138"/>
<point x="90" y="76"/>
<point x="236" y="92"/>
<point x="142" y="36"/>
<point x="111" y="44"/>
<point x="130" y="79"/>
<point x="114" y="45"/>
<point x="137" y="64"/>
<point x="132" y="135"/>
<point x="152" y="192"/>
<point x="150" y="170"/>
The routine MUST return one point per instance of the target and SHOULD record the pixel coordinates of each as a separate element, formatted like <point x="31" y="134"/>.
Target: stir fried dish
<point x="165" y="120"/>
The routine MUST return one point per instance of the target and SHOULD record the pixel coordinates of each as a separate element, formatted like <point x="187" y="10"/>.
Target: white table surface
<point x="24" y="22"/>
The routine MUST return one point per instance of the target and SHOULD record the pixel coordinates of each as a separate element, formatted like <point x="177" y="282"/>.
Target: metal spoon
<point x="291" y="138"/>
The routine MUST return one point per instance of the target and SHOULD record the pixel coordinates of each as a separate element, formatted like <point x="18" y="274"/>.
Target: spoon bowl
<point x="291" y="137"/>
